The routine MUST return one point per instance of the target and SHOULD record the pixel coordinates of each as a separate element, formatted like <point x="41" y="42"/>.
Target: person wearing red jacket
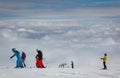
<point x="39" y="59"/>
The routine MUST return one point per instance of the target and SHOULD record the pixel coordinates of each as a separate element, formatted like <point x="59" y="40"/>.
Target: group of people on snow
<point x="20" y="63"/>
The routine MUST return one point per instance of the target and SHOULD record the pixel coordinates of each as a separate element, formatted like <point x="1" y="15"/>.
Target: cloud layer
<point x="62" y="29"/>
<point x="69" y="42"/>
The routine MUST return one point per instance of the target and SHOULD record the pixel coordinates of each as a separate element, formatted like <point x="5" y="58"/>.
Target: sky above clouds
<point x="56" y="9"/>
<point x="67" y="28"/>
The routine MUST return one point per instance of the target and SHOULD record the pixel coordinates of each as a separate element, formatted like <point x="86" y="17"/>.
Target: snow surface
<point x="82" y="72"/>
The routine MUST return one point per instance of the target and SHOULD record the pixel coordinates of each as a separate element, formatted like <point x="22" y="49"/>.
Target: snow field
<point x="59" y="73"/>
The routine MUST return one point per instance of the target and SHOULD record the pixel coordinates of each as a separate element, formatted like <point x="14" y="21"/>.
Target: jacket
<point x="105" y="59"/>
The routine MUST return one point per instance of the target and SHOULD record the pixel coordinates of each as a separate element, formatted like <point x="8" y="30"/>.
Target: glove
<point x="10" y="57"/>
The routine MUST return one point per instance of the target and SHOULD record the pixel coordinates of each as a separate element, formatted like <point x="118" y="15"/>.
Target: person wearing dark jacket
<point x="39" y="59"/>
<point x="23" y="59"/>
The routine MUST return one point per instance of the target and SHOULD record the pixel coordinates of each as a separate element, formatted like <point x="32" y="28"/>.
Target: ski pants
<point x="104" y="64"/>
<point x="19" y="62"/>
<point x="39" y="63"/>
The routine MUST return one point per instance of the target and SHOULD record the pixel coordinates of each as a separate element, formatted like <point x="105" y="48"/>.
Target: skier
<point x="39" y="58"/>
<point x="105" y="58"/>
<point x="23" y="59"/>
<point x="19" y="60"/>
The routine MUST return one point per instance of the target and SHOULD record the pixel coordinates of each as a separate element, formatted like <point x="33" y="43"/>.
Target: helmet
<point x="13" y="49"/>
<point x="105" y="54"/>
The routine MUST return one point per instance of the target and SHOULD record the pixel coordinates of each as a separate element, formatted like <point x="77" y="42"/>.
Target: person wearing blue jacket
<point x="19" y="59"/>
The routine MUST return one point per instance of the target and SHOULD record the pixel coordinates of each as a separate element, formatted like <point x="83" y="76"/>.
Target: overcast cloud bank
<point x="77" y="30"/>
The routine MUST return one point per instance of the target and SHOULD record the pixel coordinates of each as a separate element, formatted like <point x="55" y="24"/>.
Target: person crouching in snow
<point x="105" y="58"/>
<point x="39" y="58"/>
<point x="19" y="60"/>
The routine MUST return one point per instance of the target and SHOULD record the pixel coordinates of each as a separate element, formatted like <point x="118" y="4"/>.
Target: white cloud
<point x="9" y="35"/>
<point x="26" y="30"/>
<point x="38" y="23"/>
<point x="22" y="30"/>
<point x="109" y="41"/>
<point x="61" y="33"/>
<point x="68" y="43"/>
<point x="32" y="31"/>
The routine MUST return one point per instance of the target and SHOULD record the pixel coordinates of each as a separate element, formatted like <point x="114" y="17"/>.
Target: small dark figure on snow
<point x="39" y="58"/>
<point x="72" y="64"/>
<point x="105" y="58"/>
<point x="62" y="65"/>
<point x="23" y="59"/>
<point x="19" y="60"/>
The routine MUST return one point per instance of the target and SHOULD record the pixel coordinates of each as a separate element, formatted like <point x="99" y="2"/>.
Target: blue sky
<point x="76" y="11"/>
<point x="15" y="9"/>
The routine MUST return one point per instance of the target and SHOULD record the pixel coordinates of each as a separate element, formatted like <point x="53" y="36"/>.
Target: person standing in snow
<point x="105" y="58"/>
<point x="19" y="60"/>
<point x="39" y="59"/>
<point x="23" y="59"/>
<point x="72" y="64"/>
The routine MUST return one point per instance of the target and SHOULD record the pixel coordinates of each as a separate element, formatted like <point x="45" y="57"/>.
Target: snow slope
<point x="83" y="72"/>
